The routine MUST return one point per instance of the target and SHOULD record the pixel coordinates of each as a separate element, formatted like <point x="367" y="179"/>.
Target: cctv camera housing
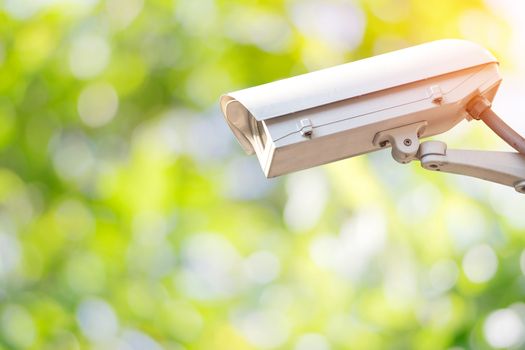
<point x="336" y="113"/>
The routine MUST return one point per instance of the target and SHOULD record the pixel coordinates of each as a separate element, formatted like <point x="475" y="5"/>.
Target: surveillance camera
<point x="340" y="112"/>
<point x="391" y="100"/>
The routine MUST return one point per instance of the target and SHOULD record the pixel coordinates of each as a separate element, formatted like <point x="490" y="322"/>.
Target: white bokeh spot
<point x="89" y="56"/>
<point x="98" y="104"/>
<point x="97" y="320"/>
<point x="480" y="263"/>
<point x="504" y="329"/>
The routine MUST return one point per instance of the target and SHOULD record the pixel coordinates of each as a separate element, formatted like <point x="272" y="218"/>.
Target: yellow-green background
<point x="130" y="218"/>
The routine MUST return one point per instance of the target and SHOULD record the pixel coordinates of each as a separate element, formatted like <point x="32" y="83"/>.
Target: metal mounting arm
<point x="505" y="168"/>
<point x="501" y="167"/>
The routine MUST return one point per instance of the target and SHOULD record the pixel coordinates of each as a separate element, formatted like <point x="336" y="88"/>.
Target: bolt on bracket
<point x="404" y="141"/>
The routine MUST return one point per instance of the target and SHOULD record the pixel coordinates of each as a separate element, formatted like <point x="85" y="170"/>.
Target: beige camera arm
<point x="506" y="168"/>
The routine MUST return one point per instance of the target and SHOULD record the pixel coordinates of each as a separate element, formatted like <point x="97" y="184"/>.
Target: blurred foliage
<point x="130" y="219"/>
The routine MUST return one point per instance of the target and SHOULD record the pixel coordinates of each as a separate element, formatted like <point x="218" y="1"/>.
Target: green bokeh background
<point x="130" y="219"/>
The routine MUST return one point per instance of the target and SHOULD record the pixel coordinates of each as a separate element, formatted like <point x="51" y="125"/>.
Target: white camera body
<point x="336" y="113"/>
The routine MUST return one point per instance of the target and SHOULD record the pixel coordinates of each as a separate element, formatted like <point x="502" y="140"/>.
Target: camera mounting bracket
<point x="505" y="168"/>
<point x="404" y="141"/>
